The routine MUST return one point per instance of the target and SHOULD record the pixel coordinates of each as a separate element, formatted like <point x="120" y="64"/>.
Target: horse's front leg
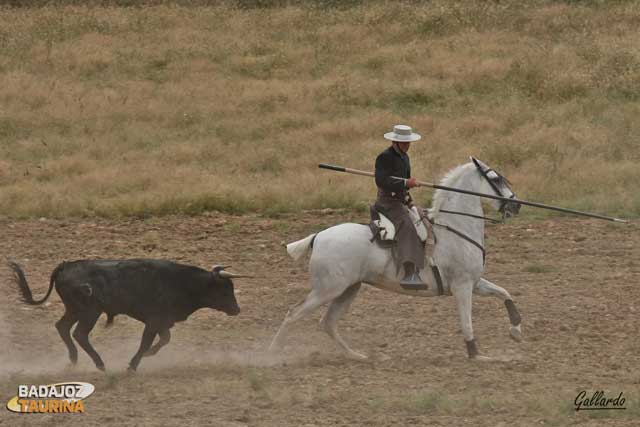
<point x="463" y="294"/>
<point x="486" y="288"/>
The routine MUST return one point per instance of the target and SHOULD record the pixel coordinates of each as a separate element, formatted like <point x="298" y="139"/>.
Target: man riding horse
<point x="394" y="201"/>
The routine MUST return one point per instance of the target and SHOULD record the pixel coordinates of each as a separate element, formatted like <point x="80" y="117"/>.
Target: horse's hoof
<point x="357" y="356"/>
<point x="481" y="358"/>
<point x="101" y="368"/>
<point x="516" y="333"/>
<point x="274" y="349"/>
<point x="131" y="370"/>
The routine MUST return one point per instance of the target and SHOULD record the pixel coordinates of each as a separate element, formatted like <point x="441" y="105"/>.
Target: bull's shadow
<point x="158" y="293"/>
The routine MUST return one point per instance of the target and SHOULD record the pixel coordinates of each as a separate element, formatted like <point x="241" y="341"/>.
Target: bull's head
<point x="223" y="297"/>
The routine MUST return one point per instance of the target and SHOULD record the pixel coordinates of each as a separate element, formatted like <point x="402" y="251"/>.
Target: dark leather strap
<point x="465" y="237"/>
<point x="495" y="221"/>
<point x="472" y="348"/>
<point x="514" y="315"/>
<point x="438" y="277"/>
<point x="384" y="196"/>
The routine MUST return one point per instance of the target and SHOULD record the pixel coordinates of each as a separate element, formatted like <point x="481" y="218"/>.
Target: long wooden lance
<point x="474" y="193"/>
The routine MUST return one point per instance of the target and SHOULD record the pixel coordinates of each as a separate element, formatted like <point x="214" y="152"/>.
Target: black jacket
<point x="391" y="163"/>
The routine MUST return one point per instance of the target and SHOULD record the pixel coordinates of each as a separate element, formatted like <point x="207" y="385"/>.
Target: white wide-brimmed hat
<point x="402" y="133"/>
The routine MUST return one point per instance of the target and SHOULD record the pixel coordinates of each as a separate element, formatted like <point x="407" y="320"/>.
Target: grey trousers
<point x="409" y="247"/>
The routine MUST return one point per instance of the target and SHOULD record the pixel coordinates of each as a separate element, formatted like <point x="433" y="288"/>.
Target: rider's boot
<point x="412" y="278"/>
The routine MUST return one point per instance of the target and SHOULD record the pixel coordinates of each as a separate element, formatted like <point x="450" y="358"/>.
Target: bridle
<point x="485" y="173"/>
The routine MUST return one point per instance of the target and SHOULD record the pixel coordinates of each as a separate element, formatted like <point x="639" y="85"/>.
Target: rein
<point x="493" y="220"/>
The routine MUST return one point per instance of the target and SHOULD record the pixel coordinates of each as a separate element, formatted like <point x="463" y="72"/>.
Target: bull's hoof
<point x="131" y="370"/>
<point x="101" y="367"/>
<point x="516" y="333"/>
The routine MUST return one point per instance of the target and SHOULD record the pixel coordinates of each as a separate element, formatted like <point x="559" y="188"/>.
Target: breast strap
<point x="465" y="237"/>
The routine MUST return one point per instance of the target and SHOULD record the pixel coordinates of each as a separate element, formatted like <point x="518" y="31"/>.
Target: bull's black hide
<point x="155" y="292"/>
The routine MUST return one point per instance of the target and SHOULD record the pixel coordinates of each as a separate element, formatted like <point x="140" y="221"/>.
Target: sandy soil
<point x="574" y="281"/>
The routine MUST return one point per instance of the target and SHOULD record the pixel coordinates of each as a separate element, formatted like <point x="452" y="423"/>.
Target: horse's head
<point x="494" y="183"/>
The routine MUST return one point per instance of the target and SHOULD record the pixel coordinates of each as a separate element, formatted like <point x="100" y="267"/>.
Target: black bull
<point x="155" y="292"/>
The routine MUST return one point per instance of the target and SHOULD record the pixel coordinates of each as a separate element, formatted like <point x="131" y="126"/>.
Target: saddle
<point x="385" y="232"/>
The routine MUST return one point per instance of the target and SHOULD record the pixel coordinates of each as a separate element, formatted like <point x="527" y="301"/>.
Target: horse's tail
<point x="299" y="248"/>
<point x="21" y="281"/>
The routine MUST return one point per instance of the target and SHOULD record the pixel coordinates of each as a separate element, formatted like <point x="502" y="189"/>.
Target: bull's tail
<point x="109" y="322"/>
<point x="21" y="281"/>
<point x="299" y="248"/>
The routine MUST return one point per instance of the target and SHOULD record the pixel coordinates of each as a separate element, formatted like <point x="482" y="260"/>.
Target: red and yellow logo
<point x="53" y="398"/>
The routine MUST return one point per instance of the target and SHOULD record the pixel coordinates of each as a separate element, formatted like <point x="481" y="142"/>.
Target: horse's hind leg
<point x="337" y="308"/>
<point x="486" y="288"/>
<point x="86" y="322"/>
<point x="64" y="326"/>
<point x="314" y="300"/>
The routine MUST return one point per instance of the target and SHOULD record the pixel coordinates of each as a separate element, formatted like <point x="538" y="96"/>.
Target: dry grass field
<point x="117" y="111"/>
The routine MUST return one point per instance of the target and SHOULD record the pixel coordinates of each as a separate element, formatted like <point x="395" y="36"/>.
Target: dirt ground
<point x="574" y="281"/>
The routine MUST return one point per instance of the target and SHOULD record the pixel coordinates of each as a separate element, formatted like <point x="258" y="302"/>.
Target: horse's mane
<point x="449" y="180"/>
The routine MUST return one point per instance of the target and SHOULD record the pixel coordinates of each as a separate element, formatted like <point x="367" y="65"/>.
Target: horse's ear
<point x="475" y="161"/>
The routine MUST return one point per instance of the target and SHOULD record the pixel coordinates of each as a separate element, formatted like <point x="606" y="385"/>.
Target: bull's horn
<point x="227" y="275"/>
<point x="218" y="268"/>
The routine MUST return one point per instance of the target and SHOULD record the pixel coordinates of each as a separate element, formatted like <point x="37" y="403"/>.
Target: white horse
<point x="343" y="257"/>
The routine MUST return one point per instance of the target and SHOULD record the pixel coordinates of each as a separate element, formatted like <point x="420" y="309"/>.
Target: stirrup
<point x="414" y="283"/>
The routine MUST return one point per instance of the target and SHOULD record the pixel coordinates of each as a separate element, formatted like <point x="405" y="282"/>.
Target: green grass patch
<point x="257" y="380"/>
<point x="539" y="268"/>
<point x="431" y="401"/>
